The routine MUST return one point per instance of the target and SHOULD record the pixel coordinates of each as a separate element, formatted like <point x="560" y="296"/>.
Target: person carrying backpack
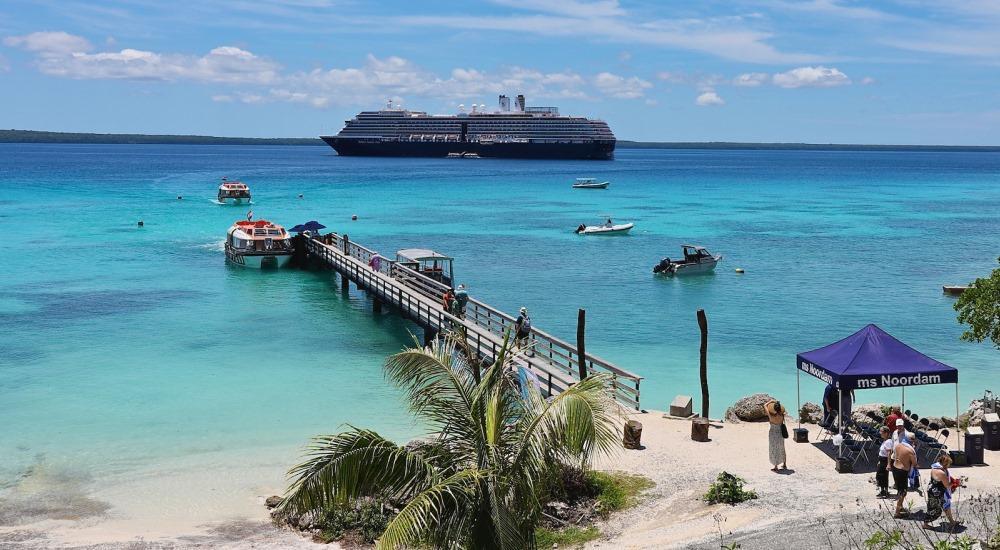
<point x="522" y="330"/>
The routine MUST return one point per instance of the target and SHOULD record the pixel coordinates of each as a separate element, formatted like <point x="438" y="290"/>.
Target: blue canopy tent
<point x="872" y="358"/>
<point x="312" y="226"/>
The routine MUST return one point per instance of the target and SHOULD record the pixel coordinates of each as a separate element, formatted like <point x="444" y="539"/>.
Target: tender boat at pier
<point x="233" y="192"/>
<point x="590" y="183"/>
<point x="697" y="259"/>
<point x="260" y="244"/>
<point x="607" y="228"/>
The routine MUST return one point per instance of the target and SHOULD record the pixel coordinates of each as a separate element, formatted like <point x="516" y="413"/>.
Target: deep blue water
<point x="122" y="345"/>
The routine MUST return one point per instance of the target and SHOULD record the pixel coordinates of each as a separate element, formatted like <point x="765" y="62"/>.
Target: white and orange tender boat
<point x="260" y="244"/>
<point x="233" y="192"/>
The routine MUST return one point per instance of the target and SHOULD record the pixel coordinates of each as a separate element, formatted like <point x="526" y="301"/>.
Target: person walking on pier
<point x="461" y="301"/>
<point x="522" y="329"/>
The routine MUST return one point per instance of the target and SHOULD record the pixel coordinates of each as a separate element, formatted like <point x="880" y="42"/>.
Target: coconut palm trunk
<point x="474" y="483"/>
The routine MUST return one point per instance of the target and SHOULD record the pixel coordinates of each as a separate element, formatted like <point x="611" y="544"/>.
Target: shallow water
<point x="122" y="346"/>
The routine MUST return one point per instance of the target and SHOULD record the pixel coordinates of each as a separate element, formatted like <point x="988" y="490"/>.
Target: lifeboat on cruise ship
<point x="233" y="192"/>
<point x="260" y="244"/>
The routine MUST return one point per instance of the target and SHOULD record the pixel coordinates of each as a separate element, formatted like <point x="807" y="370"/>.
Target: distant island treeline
<point x="36" y="136"/>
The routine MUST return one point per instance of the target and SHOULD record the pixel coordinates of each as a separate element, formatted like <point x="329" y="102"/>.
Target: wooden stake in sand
<point x="703" y="325"/>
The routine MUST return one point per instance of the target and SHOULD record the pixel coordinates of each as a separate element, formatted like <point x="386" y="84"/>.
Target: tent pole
<point x="798" y="396"/>
<point x="958" y="423"/>
<point x="840" y="421"/>
<point x="902" y="404"/>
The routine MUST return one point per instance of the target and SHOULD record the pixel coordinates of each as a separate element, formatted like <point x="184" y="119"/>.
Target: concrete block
<point x="681" y="406"/>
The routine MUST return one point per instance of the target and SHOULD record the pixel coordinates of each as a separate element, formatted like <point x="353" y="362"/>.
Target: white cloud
<point x="812" y="77"/>
<point x="62" y="54"/>
<point x="867" y="80"/>
<point x="751" y="80"/>
<point x="49" y="43"/>
<point x="621" y="87"/>
<point x="263" y="81"/>
<point x="709" y="99"/>
<point x="575" y="8"/>
<point x="725" y="37"/>
<point x="4" y="64"/>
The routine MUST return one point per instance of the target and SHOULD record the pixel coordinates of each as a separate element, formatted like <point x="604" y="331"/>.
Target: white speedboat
<point x="233" y="192"/>
<point x="260" y="244"/>
<point x="607" y="228"/>
<point x="590" y="183"/>
<point x="696" y="260"/>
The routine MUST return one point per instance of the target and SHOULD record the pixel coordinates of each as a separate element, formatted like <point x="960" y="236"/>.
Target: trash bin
<point x="974" y="445"/>
<point x="991" y="427"/>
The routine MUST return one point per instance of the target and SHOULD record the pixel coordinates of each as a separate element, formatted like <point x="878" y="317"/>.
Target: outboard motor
<point x="664" y="265"/>
<point x="581" y="228"/>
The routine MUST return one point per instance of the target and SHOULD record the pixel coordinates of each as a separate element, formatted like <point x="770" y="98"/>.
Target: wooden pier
<point x="420" y="298"/>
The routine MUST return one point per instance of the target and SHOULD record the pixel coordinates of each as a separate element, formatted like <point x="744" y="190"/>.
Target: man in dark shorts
<point x="905" y="460"/>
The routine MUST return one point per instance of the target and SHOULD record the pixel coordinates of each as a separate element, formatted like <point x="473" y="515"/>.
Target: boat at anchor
<point x="607" y="228"/>
<point x="697" y="259"/>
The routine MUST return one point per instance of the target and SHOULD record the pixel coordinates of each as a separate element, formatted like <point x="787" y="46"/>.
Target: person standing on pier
<point x="522" y="329"/>
<point x="449" y="301"/>
<point x="461" y="301"/>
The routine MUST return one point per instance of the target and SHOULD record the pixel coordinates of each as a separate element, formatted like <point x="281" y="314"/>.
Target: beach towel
<point x="914" y="480"/>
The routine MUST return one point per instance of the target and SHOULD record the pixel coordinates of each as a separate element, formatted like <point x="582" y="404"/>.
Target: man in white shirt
<point x="882" y="473"/>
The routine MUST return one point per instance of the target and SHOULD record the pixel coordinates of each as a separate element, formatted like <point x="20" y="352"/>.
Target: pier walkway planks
<point x="420" y="298"/>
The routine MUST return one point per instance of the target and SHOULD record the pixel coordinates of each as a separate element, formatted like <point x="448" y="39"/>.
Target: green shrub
<point x="365" y="521"/>
<point x="729" y="489"/>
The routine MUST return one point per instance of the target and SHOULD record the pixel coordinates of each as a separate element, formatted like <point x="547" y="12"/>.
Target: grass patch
<point x="568" y="537"/>
<point x="618" y="490"/>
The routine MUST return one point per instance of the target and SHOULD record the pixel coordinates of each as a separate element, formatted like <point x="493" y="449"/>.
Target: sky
<point x="817" y="71"/>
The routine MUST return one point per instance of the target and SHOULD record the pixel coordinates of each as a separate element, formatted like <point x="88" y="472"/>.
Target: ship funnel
<point x="520" y="102"/>
<point x="504" y="103"/>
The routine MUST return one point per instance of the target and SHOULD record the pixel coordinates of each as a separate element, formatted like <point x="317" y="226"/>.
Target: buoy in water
<point x="300" y="195"/>
<point x="739" y="270"/>
<point x="141" y="224"/>
<point x="354" y="217"/>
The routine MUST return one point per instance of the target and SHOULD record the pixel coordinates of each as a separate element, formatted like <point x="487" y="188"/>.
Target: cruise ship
<point x="509" y="132"/>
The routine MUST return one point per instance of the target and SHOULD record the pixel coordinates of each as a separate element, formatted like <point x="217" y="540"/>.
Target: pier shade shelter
<point x="872" y="358"/>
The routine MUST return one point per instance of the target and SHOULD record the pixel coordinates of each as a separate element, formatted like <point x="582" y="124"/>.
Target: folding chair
<point x="937" y="446"/>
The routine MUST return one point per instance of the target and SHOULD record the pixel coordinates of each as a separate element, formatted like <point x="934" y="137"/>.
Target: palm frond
<point x="352" y="464"/>
<point x="431" y="514"/>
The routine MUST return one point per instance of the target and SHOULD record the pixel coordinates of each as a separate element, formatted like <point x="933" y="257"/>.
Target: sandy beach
<point x="209" y="503"/>
<point x="674" y="516"/>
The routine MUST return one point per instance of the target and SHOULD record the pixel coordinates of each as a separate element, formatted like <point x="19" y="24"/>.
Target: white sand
<point x="215" y="500"/>
<point x="674" y="516"/>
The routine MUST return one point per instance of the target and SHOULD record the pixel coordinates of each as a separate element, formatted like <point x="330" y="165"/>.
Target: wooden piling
<point x="581" y="327"/>
<point x="376" y="306"/>
<point x="703" y="325"/>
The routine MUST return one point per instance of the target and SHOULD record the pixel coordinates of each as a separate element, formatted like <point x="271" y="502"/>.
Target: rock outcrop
<point x="810" y="413"/>
<point x="749" y="409"/>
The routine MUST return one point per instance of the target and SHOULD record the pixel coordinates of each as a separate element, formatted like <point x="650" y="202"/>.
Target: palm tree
<point x="475" y="483"/>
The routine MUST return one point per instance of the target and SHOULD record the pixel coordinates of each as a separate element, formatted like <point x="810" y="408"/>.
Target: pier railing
<point x="420" y="298"/>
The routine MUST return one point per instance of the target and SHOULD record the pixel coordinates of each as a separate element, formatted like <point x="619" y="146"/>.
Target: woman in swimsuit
<point x="939" y="493"/>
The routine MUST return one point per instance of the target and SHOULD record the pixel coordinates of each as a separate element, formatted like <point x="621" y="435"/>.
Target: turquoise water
<point x="123" y="346"/>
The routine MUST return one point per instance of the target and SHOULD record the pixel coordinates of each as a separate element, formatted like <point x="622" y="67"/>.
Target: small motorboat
<point x="590" y="183"/>
<point x="696" y="260"/>
<point x="259" y="244"/>
<point x="607" y="228"/>
<point x="954" y="290"/>
<point x="233" y="192"/>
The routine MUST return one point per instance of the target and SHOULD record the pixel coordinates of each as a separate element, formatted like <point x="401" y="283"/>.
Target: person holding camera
<point x="776" y="435"/>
